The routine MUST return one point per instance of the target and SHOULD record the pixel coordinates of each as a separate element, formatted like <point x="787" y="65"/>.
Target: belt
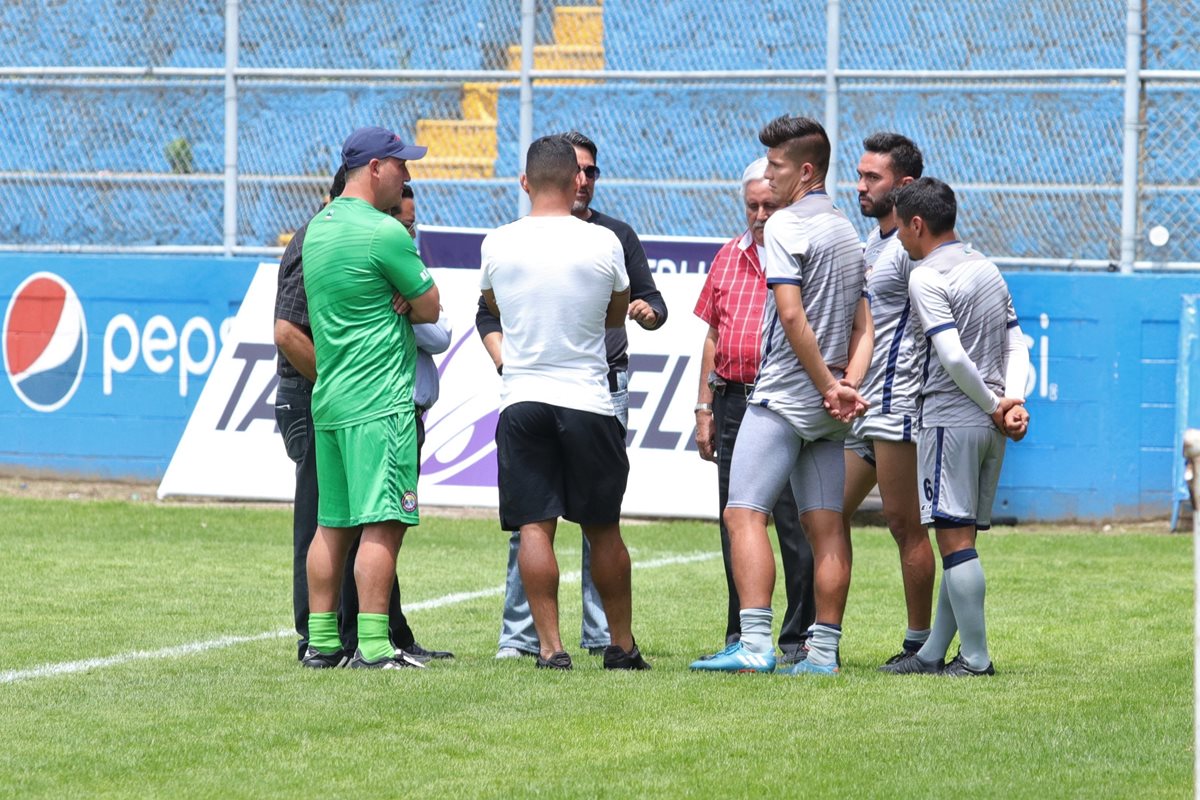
<point x="612" y="380"/>
<point x="299" y="382"/>
<point x="733" y="387"/>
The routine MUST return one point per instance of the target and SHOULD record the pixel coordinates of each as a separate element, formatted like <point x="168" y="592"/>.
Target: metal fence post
<point x="833" y="31"/>
<point x="231" y="126"/>
<point x="1133" y="91"/>
<point x="528" y="27"/>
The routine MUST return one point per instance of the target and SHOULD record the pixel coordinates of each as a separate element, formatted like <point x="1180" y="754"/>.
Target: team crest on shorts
<point x="409" y="502"/>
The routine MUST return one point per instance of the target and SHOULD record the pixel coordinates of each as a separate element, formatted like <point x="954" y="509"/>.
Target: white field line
<point x="71" y="667"/>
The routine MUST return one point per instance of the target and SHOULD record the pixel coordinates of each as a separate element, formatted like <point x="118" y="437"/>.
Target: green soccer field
<point x="194" y="690"/>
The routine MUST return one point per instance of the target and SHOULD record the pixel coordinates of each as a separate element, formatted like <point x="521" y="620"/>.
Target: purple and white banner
<point x="667" y="477"/>
<point x="458" y="248"/>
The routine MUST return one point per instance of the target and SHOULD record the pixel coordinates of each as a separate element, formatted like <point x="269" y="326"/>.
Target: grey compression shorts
<point x="769" y="453"/>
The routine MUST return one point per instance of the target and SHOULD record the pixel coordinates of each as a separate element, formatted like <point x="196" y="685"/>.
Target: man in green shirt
<point x="356" y="257"/>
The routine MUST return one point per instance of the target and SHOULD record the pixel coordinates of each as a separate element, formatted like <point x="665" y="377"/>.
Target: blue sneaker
<point x="736" y="658"/>
<point x="807" y="667"/>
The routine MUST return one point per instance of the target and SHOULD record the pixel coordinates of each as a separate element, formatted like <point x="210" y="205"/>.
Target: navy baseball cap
<point x="368" y="143"/>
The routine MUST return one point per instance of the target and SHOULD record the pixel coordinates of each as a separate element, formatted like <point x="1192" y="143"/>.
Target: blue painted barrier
<point x="1105" y="352"/>
<point x="105" y="357"/>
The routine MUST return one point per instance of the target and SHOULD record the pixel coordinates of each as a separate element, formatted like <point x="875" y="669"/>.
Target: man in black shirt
<point x="297" y="370"/>
<point x="648" y="309"/>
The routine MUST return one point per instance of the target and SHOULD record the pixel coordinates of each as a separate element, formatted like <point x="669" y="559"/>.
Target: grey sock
<point x="756" y="630"/>
<point x="967" y="589"/>
<point x="944" y="628"/>
<point x="914" y="639"/>
<point x="823" y="646"/>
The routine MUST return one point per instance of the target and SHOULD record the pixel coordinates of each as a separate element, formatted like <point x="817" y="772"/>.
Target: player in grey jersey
<point x="816" y="349"/>
<point x="974" y="362"/>
<point x="881" y="446"/>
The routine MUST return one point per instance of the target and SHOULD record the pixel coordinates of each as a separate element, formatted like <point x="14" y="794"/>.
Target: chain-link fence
<point x="214" y="125"/>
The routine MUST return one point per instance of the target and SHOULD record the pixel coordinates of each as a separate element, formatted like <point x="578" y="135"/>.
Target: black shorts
<point x="559" y="462"/>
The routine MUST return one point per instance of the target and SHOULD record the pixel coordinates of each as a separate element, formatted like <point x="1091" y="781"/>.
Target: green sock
<point x="373" y="641"/>
<point x="323" y="632"/>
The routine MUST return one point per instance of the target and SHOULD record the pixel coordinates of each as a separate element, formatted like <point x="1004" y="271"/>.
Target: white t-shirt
<point x="553" y="278"/>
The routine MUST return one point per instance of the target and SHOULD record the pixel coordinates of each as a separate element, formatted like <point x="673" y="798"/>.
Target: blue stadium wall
<point x="1104" y="347"/>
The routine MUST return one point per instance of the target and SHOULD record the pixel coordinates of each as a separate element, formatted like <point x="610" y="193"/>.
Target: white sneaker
<point x="508" y="652"/>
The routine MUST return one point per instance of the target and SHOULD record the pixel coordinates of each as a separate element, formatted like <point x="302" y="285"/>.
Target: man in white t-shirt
<point x="557" y="283"/>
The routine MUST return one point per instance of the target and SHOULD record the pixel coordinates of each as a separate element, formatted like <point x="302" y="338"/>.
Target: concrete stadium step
<point x="579" y="25"/>
<point x="479" y="101"/>
<point x="467" y="147"/>
<point x="434" y="167"/>
<point x="466" y="138"/>
<point x="559" y="56"/>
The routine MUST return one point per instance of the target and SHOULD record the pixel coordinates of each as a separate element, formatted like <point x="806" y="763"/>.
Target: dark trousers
<point x="728" y="410"/>
<point x="293" y="413"/>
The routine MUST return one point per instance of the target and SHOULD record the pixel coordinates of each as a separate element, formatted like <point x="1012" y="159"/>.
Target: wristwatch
<point x="703" y="407"/>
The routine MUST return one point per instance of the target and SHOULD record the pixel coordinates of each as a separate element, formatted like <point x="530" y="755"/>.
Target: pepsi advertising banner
<point x="105" y="356"/>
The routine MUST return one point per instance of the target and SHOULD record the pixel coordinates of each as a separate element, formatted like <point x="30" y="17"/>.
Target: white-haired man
<point x="732" y="303"/>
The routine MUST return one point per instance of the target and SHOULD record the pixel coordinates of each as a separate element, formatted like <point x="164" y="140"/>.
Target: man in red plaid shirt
<point x="732" y="304"/>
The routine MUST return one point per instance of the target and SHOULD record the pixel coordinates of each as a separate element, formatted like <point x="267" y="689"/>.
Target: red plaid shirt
<point x="732" y="301"/>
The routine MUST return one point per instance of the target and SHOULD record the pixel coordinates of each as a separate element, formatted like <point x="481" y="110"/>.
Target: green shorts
<point x="368" y="472"/>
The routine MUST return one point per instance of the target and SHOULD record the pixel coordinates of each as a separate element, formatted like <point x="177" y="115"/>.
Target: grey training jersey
<point x="892" y="382"/>
<point x="956" y="287"/>
<point x="812" y="245"/>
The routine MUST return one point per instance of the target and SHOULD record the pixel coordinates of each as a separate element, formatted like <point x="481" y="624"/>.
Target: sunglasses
<point x="591" y="172"/>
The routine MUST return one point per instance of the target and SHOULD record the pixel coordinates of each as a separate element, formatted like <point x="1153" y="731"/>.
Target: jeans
<point x="293" y="413"/>
<point x="516" y="625"/>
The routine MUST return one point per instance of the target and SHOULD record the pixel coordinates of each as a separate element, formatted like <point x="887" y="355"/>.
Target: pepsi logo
<point x="44" y="341"/>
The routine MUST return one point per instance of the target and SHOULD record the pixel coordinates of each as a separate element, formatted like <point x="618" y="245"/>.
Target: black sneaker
<point x="315" y="659"/>
<point x="599" y="650"/>
<point x="903" y="655"/>
<point x="957" y="668"/>
<point x="912" y="665"/>
<point x="616" y="658"/>
<point x="560" y="660"/>
<point x="402" y="661"/>
<point x="421" y="654"/>
<point x="793" y="653"/>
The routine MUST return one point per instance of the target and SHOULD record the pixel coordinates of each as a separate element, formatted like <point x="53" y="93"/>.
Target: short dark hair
<point x="577" y="139"/>
<point x="550" y="162"/>
<point x="339" y="183"/>
<point x="931" y="200"/>
<point x="906" y="158"/>
<point x="803" y="139"/>
<point x="407" y="192"/>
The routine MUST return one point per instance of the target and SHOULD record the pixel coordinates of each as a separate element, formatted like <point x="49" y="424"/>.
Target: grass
<point x="1091" y="634"/>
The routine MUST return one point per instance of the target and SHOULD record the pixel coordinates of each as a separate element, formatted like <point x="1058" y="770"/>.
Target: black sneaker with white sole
<point x="401" y="661"/>
<point x="560" y="660"/>
<point x="315" y="659"/>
